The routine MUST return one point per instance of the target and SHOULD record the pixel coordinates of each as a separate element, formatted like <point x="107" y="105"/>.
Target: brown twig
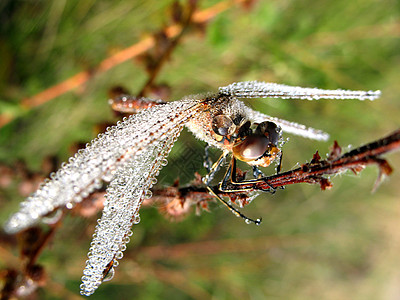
<point x="313" y="172"/>
<point x="354" y="160"/>
<point x="168" y="43"/>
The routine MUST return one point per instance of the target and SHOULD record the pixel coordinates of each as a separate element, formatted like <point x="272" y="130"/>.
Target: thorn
<point x="316" y="158"/>
<point x="325" y="184"/>
<point x="336" y="151"/>
<point x="384" y="170"/>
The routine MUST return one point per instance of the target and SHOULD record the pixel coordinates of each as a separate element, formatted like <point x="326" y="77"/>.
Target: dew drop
<point x="109" y="275"/>
<point x="148" y="194"/>
<point x="119" y="255"/>
<point x="136" y="219"/>
<point x="52" y="217"/>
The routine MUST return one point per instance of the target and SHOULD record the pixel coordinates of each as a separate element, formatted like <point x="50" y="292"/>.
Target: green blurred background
<point x="338" y="244"/>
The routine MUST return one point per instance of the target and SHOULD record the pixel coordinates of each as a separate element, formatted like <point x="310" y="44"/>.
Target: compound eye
<point x="252" y="148"/>
<point x="270" y="130"/>
<point x="223" y="125"/>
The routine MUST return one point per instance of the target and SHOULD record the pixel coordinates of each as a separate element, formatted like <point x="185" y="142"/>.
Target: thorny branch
<point x="313" y="172"/>
<point x="354" y="160"/>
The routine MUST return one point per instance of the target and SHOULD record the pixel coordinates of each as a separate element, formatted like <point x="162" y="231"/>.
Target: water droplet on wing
<point x="110" y="275"/>
<point x="52" y="217"/>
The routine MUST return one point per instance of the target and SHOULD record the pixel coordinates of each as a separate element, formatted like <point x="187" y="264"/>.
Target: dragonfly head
<point x="255" y="144"/>
<point x="258" y="147"/>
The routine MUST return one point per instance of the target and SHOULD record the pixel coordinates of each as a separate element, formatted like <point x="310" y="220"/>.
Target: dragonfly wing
<point x="258" y="89"/>
<point x="85" y="171"/>
<point x="130" y="185"/>
<point x="287" y="126"/>
<point x="130" y="154"/>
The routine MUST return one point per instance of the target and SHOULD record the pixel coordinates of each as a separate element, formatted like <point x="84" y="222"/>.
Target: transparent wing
<point x="257" y="89"/>
<point x="98" y="161"/>
<point x="287" y="126"/>
<point x="130" y="185"/>
<point x="129" y="154"/>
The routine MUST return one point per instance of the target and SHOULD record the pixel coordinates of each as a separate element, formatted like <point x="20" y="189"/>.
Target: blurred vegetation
<point x="338" y="244"/>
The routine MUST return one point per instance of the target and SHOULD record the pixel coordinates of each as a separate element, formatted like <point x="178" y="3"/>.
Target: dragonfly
<point x="130" y="155"/>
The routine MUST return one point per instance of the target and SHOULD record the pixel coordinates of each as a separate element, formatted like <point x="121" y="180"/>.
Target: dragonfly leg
<point x="231" y="184"/>
<point x="279" y="167"/>
<point x="259" y="175"/>
<point x="207" y="180"/>
<point x="234" y="210"/>
<point x="214" y="168"/>
<point x="207" y="160"/>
